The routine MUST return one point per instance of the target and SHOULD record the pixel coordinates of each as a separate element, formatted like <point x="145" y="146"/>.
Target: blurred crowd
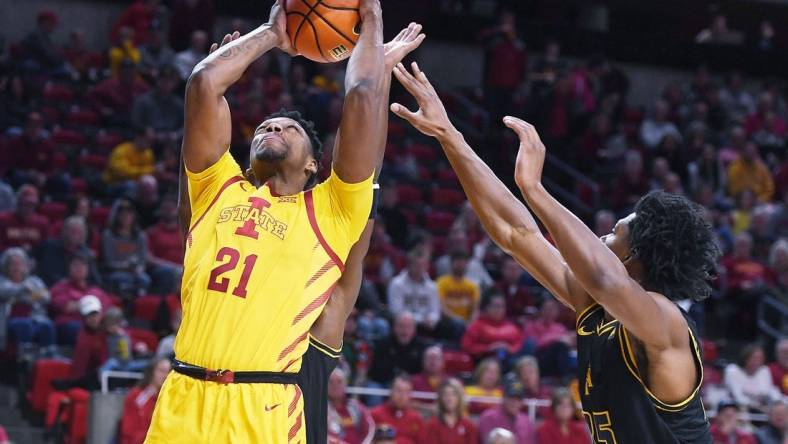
<point x="91" y="252"/>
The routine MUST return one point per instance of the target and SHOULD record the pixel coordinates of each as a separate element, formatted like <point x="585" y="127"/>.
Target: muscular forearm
<point x="227" y="64"/>
<point x="366" y="64"/>
<point x="499" y="211"/>
<point x="593" y="264"/>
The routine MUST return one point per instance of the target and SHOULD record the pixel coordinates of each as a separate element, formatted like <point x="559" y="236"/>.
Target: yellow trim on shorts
<point x="325" y="349"/>
<point x="628" y="355"/>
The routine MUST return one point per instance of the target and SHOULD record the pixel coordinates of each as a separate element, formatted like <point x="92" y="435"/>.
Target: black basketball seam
<point x="311" y="11"/>
<point x="338" y="8"/>
<point x="317" y="38"/>
<point x="301" y="25"/>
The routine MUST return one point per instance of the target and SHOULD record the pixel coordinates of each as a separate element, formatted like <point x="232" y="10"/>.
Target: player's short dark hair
<point x="311" y="132"/>
<point x="672" y="239"/>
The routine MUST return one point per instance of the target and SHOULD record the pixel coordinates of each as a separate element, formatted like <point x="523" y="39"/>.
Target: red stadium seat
<point x="146" y="307"/>
<point x="173" y="303"/>
<point x="53" y="210"/>
<point x="447" y="197"/>
<point x="44" y="372"/>
<point x="448" y="177"/>
<point x="408" y="194"/>
<point x="57" y="93"/>
<point x="68" y="137"/>
<point x="147" y="337"/>
<point x="458" y="363"/>
<point x="106" y="141"/>
<point x="99" y="216"/>
<point x="438" y="221"/>
<point x="83" y="117"/>
<point x="423" y="153"/>
<point x="95" y="161"/>
<point x="79" y="185"/>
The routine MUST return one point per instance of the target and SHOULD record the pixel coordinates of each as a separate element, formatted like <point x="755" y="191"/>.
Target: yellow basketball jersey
<point x="260" y="267"/>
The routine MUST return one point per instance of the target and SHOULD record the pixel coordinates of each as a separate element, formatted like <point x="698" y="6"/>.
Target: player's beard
<point x="270" y="155"/>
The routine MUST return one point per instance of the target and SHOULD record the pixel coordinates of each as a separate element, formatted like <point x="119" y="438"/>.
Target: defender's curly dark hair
<point x="676" y="245"/>
<point x="314" y="139"/>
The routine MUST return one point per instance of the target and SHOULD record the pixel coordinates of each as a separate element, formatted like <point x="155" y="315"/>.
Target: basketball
<point x="323" y="30"/>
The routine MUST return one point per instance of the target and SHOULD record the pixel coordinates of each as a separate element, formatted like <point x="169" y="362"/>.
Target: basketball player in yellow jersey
<point x="263" y="256"/>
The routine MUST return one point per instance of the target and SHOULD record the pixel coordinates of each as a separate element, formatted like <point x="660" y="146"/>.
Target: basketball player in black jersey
<point x="639" y="363"/>
<point x="325" y="336"/>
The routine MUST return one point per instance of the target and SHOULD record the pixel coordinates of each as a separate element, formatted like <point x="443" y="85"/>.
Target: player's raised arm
<point x="207" y="126"/>
<point x="505" y="218"/>
<point x="355" y="151"/>
<point x="655" y="321"/>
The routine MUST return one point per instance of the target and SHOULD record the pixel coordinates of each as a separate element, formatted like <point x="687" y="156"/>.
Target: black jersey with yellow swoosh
<point x="617" y="405"/>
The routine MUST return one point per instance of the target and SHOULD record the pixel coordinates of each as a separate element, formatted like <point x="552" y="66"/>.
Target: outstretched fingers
<point x="408" y="81"/>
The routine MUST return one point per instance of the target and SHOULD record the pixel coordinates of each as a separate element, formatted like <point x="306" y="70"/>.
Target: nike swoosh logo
<point x="583" y="332"/>
<point x="271" y="407"/>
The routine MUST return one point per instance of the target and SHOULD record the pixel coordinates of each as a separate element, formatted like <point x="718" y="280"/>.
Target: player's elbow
<point x="202" y="80"/>
<point x="363" y="92"/>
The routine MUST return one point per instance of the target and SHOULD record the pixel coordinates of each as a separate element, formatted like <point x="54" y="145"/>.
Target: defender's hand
<point x="278" y="23"/>
<point x="530" y="158"/>
<point x="431" y="118"/>
<point x="227" y="39"/>
<point x="403" y="44"/>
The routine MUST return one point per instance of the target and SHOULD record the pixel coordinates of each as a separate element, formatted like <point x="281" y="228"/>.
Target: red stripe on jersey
<point x="296" y="427"/>
<point x="229" y="182"/>
<point x="294" y="403"/>
<point x="314" y="305"/>
<point x="292" y="346"/>
<point x="327" y="266"/>
<point x="310" y="211"/>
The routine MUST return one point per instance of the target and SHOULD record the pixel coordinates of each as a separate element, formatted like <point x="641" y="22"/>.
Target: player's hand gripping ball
<point x="323" y="30"/>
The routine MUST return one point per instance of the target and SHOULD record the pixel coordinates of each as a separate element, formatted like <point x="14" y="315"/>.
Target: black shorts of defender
<point x="231" y="377"/>
<point x="316" y="366"/>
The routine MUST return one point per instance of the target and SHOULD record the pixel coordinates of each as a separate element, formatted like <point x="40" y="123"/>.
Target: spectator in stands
<point x="487" y="384"/>
<point x="506" y="61"/>
<point x="412" y="290"/>
<point x="4" y="436"/>
<point x="53" y="255"/>
<point x="82" y="62"/>
<point x="604" y="221"/>
<point x="140" y="401"/>
<point x="779" y="368"/>
<point x="384" y="434"/>
<point x="24" y="227"/>
<point x="348" y="419"/>
<point x="459" y="295"/>
<point x="718" y="33"/>
<point x="125" y="49"/>
<point x="764" y="42"/>
<point x="776" y="430"/>
<point x="398" y="413"/>
<point x="551" y="339"/>
<point x="156" y="54"/>
<point x="562" y="427"/>
<point x="40" y="49"/>
<point x="500" y="436"/>
<point x="526" y="370"/>
<point x="519" y="301"/>
<point x="188" y="16"/>
<point x="121" y="351"/>
<point x="79" y="205"/>
<point x="726" y="428"/>
<point x="707" y="170"/>
<point x="124" y="252"/>
<point x="114" y="97"/>
<point x="7" y="197"/>
<point x="67" y="293"/>
<point x="508" y="416"/>
<point x="131" y="160"/>
<point x="451" y="425"/>
<point x="749" y="172"/>
<point x="458" y="239"/>
<point x="166" y="248"/>
<point x="18" y="102"/>
<point x="738" y="102"/>
<point x="187" y="59"/>
<point x="654" y="129"/>
<point x="394" y="218"/>
<point x="139" y="17"/>
<point x="749" y="380"/>
<point x="400" y="352"/>
<point x="32" y="152"/>
<point x="433" y="374"/>
<point x="765" y="126"/>
<point x="90" y="350"/>
<point x="631" y="185"/>
<point x="24" y="298"/>
<point x="166" y="347"/>
<point x="145" y="197"/>
<point x="491" y="333"/>
<point x="160" y="109"/>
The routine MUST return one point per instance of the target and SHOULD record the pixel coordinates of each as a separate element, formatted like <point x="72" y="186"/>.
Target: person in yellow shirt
<point x="459" y="295"/>
<point x="262" y="254"/>
<point x="124" y="50"/>
<point x="131" y="160"/>
<point x="749" y="172"/>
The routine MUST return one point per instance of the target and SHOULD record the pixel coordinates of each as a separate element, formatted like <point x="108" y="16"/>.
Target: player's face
<point x="618" y="239"/>
<point x="280" y="140"/>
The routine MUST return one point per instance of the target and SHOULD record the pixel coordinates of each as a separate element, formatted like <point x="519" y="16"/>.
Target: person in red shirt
<point x="779" y="368"/>
<point x="746" y="279"/>
<point x="138" y="16"/>
<point x="726" y="429"/>
<point x="491" y="333"/>
<point x="551" y="339"/>
<point x="563" y="428"/>
<point x="166" y="249"/>
<point x="348" y="419"/>
<point x="115" y="96"/>
<point x="66" y="296"/>
<point x="398" y="414"/>
<point x="526" y="370"/>
<point x="506" y="60"/>
<point x="90" y="352"/>
<point x="32" y="152"/>
<point x="24" y="227"/>
<point x="140" y="401"/>
<point x="451" y="425"/>
<point x="432" y="374"/>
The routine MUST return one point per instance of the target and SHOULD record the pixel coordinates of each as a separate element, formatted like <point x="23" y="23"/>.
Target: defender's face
<point x="279" y="140"/>
<point x="618" y="239"/>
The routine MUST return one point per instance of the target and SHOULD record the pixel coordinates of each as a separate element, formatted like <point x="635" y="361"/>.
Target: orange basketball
<point x="323" y="30"/>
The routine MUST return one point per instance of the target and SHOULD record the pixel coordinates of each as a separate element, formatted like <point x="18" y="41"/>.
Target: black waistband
<point x="229" y="377"/>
